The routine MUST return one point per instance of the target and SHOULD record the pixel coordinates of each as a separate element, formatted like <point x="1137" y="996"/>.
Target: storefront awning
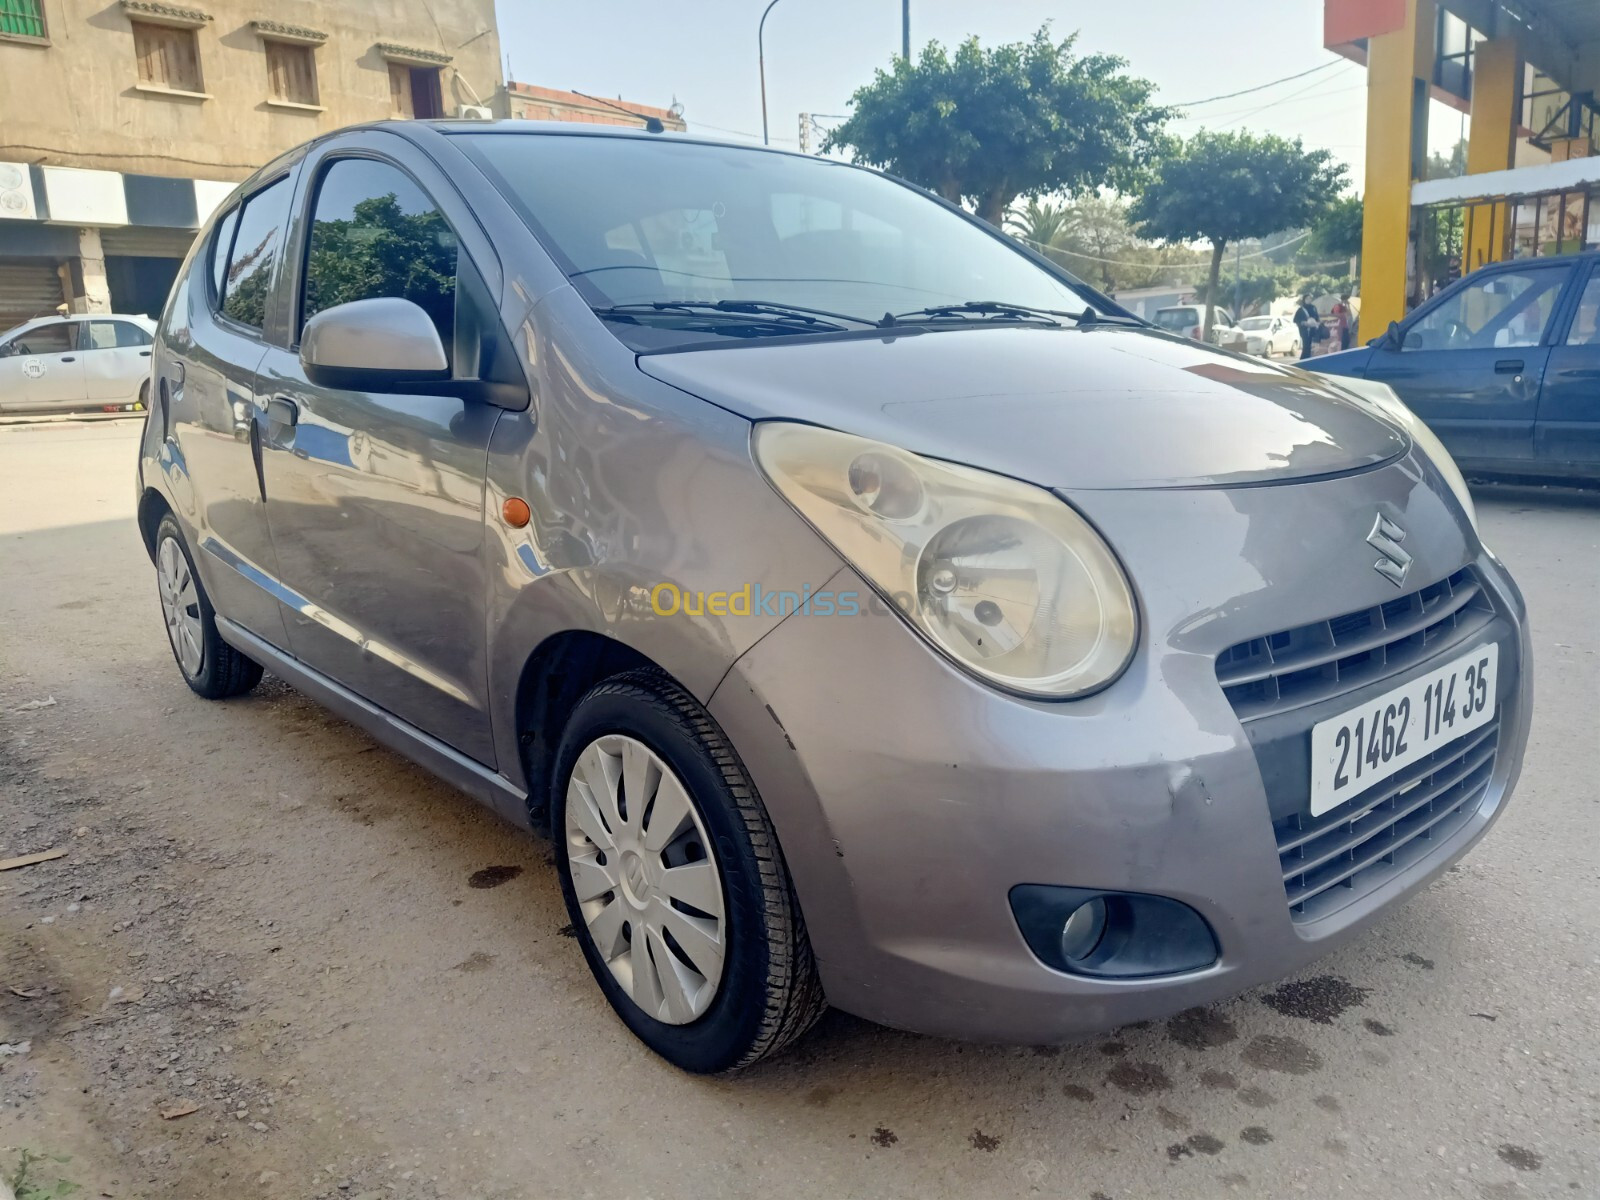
<point x="1500" y="185"/>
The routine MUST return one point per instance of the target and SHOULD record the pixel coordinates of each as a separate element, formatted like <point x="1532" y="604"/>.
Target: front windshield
<point x="1178" y="320"/>
<point x="638" y="221"/>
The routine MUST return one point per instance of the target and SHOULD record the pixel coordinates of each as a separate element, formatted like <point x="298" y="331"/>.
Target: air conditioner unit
<point x="473" y="112"/>
<point x="16" y="192"/>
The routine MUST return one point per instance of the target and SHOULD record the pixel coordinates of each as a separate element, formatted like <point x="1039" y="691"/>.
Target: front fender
<point x="631" y="484"/>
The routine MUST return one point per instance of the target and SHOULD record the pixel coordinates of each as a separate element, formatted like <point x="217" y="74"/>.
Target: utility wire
<point x="1260" y="87"/>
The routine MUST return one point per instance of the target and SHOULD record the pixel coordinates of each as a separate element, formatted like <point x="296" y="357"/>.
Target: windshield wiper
<point x="821" y="320"/>
<point x="1001" y="310"/>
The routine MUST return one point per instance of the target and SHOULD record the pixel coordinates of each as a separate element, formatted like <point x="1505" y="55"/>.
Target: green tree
<point x="1023" y="119"/>
<point x="1224" y="187"/>
<point x="1092" y="237"/>
<point x="384" y="251"/>
<point x="1338" y="233"/>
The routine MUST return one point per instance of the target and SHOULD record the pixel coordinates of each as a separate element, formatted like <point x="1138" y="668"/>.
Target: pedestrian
<point x="1344" y="321"/>
<point x="1309" y="322"/>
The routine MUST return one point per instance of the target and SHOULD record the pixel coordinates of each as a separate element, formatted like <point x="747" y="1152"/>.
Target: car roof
<point x="1577" y="256"/>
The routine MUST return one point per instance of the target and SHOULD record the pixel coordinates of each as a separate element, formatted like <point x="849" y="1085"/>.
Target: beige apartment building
<point x="124" y="123"/>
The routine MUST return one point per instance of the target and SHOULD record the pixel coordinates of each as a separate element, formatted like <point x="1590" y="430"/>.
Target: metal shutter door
<point x="29" y="287"/>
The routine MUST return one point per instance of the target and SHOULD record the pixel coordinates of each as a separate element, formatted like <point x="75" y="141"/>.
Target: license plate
<point x="1357" y="749"/>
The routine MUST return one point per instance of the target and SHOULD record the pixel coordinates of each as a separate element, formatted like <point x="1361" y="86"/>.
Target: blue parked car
<point x="1503" y="365"/>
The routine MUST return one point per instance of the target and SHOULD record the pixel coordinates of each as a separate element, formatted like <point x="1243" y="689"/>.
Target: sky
<point x="702" y="53"/>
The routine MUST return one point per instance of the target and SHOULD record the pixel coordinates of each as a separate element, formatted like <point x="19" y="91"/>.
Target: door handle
<point x="1508" y="366"/>
<point x="68" y="358"/>
<point x="144" y="354"/>
<point x="283" y="411"/>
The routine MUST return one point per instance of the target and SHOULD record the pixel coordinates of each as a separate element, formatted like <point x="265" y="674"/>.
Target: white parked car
<point x="1189" y="320"/>
<point x="1271" y="336"/>
<point x="87" y="361"/>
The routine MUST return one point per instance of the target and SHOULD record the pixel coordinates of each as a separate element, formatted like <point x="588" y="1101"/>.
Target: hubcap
<point x="180" y="605"/>
<point x="646" y="878"/>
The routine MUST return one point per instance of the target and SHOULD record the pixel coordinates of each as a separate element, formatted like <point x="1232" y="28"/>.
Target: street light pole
<point x="761" y="59"/>
<point x="905" y="29"/>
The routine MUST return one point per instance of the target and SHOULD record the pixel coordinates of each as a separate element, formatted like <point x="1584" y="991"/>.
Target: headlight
<point x="1384" y="397"/>
<point x="1003" y="578"/>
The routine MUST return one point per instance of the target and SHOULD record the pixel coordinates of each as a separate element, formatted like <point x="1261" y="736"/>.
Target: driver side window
<point x="375" y="233"/>
<point x="46" y="339"/>
<point x="1507" y="309"/>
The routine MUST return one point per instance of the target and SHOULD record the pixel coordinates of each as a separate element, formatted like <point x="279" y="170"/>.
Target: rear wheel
<point x="210" y="666"/>
<point x="674" y="881"/>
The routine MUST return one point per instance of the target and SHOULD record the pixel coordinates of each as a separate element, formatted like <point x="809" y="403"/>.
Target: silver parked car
<point x="874" y="615"/>
<point x="65" y="364"/>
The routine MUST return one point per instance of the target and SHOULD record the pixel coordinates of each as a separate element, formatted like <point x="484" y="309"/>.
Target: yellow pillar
<point x="1496" y="89"/>
<point x="1399" y="65"/>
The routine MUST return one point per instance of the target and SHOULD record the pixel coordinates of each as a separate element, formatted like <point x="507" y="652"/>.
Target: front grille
<point x="1312" y="663"/>
<point x="1332" y="860"/>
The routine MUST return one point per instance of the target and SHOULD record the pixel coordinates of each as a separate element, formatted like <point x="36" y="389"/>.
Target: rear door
<point x="1567" y="434"/>
<point x="216" y="335"/>
<point x="45" y="369"/>
<point x="377" y="500"/>
<point x="116" y="360"/>
<point x="1470" y="364"/>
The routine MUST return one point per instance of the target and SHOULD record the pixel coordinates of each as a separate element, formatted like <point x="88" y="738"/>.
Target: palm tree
<point x="1042" y="224"/>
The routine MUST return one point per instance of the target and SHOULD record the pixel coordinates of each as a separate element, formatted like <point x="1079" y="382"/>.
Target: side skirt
<point x="450" y="765"/>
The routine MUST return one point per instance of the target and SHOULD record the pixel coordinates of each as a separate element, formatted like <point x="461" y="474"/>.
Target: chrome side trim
<point x="292" y="599"/>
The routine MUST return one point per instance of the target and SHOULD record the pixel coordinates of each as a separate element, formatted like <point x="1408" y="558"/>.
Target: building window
<point x="22" y="19"/>
<point x="415" y="92"/>
<point x="168" y="57"/>
<point x="292" y="73"/>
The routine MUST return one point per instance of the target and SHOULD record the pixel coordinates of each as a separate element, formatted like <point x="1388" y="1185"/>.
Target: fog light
<point x="1083" y="930"/>
<point x="1112" y="935"/>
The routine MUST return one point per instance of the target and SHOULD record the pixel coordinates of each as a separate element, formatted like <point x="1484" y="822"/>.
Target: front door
<point x="42" y="370"/>
<point x="1471" y="364"/>
<point x="376" y="501"/>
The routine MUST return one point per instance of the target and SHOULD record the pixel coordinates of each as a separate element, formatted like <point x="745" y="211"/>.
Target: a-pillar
<point x="1399" y="69"/>
<point x="1496" y="90"/>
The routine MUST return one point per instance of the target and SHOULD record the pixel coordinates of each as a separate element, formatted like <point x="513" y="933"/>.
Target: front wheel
<point x="674" y="881"/>
<point x="210" y="666"/>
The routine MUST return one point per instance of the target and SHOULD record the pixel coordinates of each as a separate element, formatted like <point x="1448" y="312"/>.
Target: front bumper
<point x="909" y="798"/>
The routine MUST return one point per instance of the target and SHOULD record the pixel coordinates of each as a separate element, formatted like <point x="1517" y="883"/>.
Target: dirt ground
<point x="361" y="983"/>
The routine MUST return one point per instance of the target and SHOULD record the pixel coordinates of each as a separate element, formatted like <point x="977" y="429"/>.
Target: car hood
<point x="1093" y="408"/>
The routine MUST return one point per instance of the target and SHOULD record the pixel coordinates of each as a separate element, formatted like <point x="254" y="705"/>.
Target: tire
<point x="142" y="404"/>
<point x="210" y="666"/>
<point x="767" y="993"/>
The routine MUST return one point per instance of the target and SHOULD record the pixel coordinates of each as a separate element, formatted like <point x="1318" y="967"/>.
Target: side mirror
<point x="380" y="345"/>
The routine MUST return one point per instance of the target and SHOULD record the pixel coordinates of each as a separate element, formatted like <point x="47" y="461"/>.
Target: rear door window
<point x="253" y="261"/>
<point x="221" y="244"/>
<point x="1586" y="322"/>
<point x="115" y="335"/>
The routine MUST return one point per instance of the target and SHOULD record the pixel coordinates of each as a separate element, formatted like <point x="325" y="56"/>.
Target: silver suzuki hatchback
<point x="873" y="614"/>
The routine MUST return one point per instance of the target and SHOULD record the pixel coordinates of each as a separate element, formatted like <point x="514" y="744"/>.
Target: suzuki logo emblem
<point x="1385" y="538"/>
